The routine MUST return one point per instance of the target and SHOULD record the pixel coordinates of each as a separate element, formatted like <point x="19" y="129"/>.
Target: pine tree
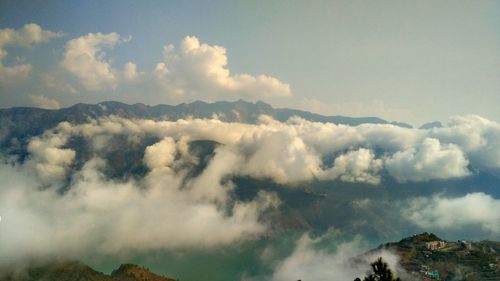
<point x="381" y="272"/>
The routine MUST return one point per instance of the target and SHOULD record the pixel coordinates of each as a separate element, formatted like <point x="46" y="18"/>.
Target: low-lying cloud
<point x="101" y="216"/>
<point x="311" y="262"/>
<point x="429" y="160"/>
<point x="295" y="151"/>
<point x="52" y="204"/>
<point x="472" y="210"/>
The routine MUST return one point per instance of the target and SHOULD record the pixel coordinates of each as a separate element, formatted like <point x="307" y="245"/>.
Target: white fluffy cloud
<point x="84" y="57"/>
<point x="26" y="36"/>
<point x="161" y="154"/>
<point x="477" y="136"/>
<point x="279" y="151"/>
<point x="195" y="71"/>
<point x="200" y="70"/>
<point x="294" y="151"/>
<point x="163" y="210"/>
<point x="279" y="154"/>
<point x="356" y="166"/>
<point x="130" y="71"/>
<point x="48" y="159"/>
<point x="471" y="210"/>
<point x="429" y="160"/>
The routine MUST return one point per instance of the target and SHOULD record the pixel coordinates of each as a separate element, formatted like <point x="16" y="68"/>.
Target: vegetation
<point x="381" y="272"/>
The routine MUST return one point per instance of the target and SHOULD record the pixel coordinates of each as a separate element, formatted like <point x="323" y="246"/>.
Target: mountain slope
<point x="73" y="271"/>
<point x="428" y="257"/>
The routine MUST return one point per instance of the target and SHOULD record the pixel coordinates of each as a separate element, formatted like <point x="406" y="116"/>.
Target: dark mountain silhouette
<point x="19" y="123"/>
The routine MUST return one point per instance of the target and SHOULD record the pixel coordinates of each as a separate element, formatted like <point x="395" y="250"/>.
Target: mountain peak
<point x="430" y="125"/>
<point x="198" y="103"/>
<point x="423" y="237"/>
<point x="132" y="272"/>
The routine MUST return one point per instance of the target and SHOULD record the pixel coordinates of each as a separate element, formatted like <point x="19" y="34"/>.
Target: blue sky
<point x="412" y="61"/>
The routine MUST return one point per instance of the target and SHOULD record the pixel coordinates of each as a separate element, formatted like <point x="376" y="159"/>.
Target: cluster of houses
<point x="438" y="245"/>
<point x="429" y="274"/>
<point x="435" y="245"/>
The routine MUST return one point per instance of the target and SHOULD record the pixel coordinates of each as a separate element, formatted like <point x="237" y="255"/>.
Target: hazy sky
<point x="412" y="61"/>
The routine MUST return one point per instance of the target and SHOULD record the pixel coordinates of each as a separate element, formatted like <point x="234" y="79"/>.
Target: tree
<point x="381" y="272"/>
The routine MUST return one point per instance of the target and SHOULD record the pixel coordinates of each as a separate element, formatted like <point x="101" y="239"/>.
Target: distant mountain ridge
<point x="23" y="122"/>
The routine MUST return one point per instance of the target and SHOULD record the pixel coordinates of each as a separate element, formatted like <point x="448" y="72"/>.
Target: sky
<point x="410" y="61"/>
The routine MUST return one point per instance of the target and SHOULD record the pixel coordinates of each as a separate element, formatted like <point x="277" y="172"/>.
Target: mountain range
<point x="23" y="122"/>
<point x="40" y="162"/>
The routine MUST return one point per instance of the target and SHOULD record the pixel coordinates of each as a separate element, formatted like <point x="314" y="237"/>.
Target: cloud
<point x="279" y="151"/>
<point x="85" y="59"/>
<point x="200" y="70"/>
<point x="438" y="212"/>
<point x="477" y="136"/>
<point x="58" y="196"/>
<point x="356" y="166"/>
<point x="97" y="215"/>
<point x="193" y="71"/>
<point x="429" y="160"/>
<point x="161" y="154"/>
<point x="44" y="102"/>
<point x="281" y="155"/>
<point x="27" y="36"/>
<point x="309" y="261"/>
<point x="48" y="159"/>
<point x="130" y="71"/>
<point x="295" y="151"/>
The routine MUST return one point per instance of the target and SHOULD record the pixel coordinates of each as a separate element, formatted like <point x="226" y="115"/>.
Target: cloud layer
<point x="57" y="196"/>
<point x="97" y="215"/>
<point x="297" y="150"/>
